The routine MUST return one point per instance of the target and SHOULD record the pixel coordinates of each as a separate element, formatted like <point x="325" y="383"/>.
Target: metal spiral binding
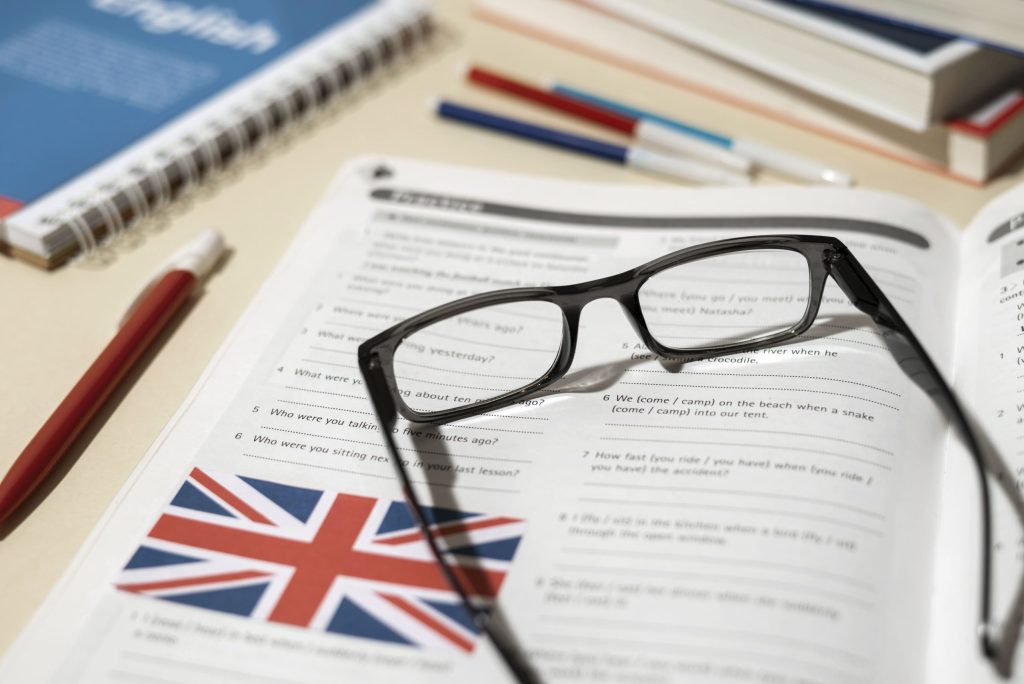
<point x="108" y="209"/>
<point x="212" y="159"/>
<point x="136" y="198"/>
<point x="188" y="162"/>
<point x="162" y="180"/>
<point x="168" y="175"/>
<point x="264" y="124"/>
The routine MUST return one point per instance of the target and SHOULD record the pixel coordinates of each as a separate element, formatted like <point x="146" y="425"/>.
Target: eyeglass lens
<point x="726" y="299"/>
<point x="497" y="349"/>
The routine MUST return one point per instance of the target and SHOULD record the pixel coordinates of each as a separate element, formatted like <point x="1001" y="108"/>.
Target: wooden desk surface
<point x="54" y="324"/>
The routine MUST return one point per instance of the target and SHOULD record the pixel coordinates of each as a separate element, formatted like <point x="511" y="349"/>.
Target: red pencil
<point x="168" y="291"/>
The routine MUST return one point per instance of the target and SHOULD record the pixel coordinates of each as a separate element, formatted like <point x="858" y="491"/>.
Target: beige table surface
<point x="52" y="325"/>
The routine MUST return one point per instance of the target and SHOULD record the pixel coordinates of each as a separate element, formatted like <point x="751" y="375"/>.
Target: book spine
<point x="100" y="216"/>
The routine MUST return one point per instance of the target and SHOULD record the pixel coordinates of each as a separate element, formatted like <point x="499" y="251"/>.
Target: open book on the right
<point x="799" y="514"/>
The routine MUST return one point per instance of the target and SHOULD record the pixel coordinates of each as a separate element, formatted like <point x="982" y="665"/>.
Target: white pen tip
<point x="837" y="177"/>
<point x="201" y="254"/>
<point x="462" y="68"/>
<point x="432" y="103"/>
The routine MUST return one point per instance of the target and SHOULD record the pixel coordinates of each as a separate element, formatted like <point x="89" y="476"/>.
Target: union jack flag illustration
<point x="322" y="560"/>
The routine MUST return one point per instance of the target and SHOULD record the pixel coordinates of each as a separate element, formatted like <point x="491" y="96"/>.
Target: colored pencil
<point x="637" y="157"/>
<point x="640" y="129"/>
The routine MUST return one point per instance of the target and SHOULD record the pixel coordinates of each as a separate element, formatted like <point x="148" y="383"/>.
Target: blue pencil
<point x="638" y="157"/>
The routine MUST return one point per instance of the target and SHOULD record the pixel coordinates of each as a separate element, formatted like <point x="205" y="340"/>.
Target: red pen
<point x="166" y="292"/>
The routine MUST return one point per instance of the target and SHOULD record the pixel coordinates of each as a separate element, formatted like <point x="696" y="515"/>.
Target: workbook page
<point x="765" y="516"/>
<point x="990" y="378"/>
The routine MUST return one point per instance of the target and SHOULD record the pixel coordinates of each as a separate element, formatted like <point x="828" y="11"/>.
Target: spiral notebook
<point x="110" y="109"/>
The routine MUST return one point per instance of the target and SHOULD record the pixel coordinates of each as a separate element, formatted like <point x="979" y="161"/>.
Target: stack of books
<point x="942" y="103"/>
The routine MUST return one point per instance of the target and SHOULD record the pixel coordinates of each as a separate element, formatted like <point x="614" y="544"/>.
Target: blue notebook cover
<point x="82" y="79"/>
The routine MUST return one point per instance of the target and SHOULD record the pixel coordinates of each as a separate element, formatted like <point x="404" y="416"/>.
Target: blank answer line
<point x="191" y="664"/>
<point x="354" y="326"/>
<point x="331" y="363"/>
<point x="729" y="653"/>
<point x="495" y="415"/>
<point x="333" y="394"/>
<point x="767" y="432"/>
<point x="496" y="390"/>
<point x="824" y="574"/>
<point x="767" y="389"/>
<point x="852" y="328"/>
<point x="500" y="415"/>
<point x="310" y="434"/>
<point x="737" y="509"/>
<point x="768" y="375"/>
<point x="330" y="408"/>
<point x="333" y="351"/>
<point x="719" y="577"/>
<point x="843" y="339"/>
<point x="740" y="492"/>
<point x="461" y="372"/>
<point x="481" y="427"/>
<point x="746" y="444"/>
<point x="705" y="631"/>
<point x="421" y="452"/>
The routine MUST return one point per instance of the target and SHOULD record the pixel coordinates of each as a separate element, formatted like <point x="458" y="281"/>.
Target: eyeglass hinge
<point x="833" y="257"/>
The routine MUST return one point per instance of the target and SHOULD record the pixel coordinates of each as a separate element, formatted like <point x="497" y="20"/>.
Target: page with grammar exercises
<point x="762" y="517"/>
<point x="989" y="372"/>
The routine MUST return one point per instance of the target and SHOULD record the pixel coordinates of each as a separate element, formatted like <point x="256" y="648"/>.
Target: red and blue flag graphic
<point x="327" y="561"/>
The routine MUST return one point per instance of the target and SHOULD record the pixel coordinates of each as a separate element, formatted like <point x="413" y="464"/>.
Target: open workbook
<point x="799" y="514"/>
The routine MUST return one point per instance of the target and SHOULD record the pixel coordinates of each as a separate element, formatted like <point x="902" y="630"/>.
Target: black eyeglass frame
<point x="825" y="256"/>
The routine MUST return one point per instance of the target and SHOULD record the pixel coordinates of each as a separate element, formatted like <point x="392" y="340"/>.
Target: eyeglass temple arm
<point x="867" y="297"/>
<point x="387" y="417"/>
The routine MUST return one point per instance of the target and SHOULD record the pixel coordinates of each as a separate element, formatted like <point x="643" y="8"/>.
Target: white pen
<point x="762" y="155"/>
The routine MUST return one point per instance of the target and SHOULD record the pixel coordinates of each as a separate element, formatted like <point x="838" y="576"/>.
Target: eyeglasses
<point x="522" y="340"/>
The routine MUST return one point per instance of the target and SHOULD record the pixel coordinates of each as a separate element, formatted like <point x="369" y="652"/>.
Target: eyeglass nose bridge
<point x="624" y="293"/>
